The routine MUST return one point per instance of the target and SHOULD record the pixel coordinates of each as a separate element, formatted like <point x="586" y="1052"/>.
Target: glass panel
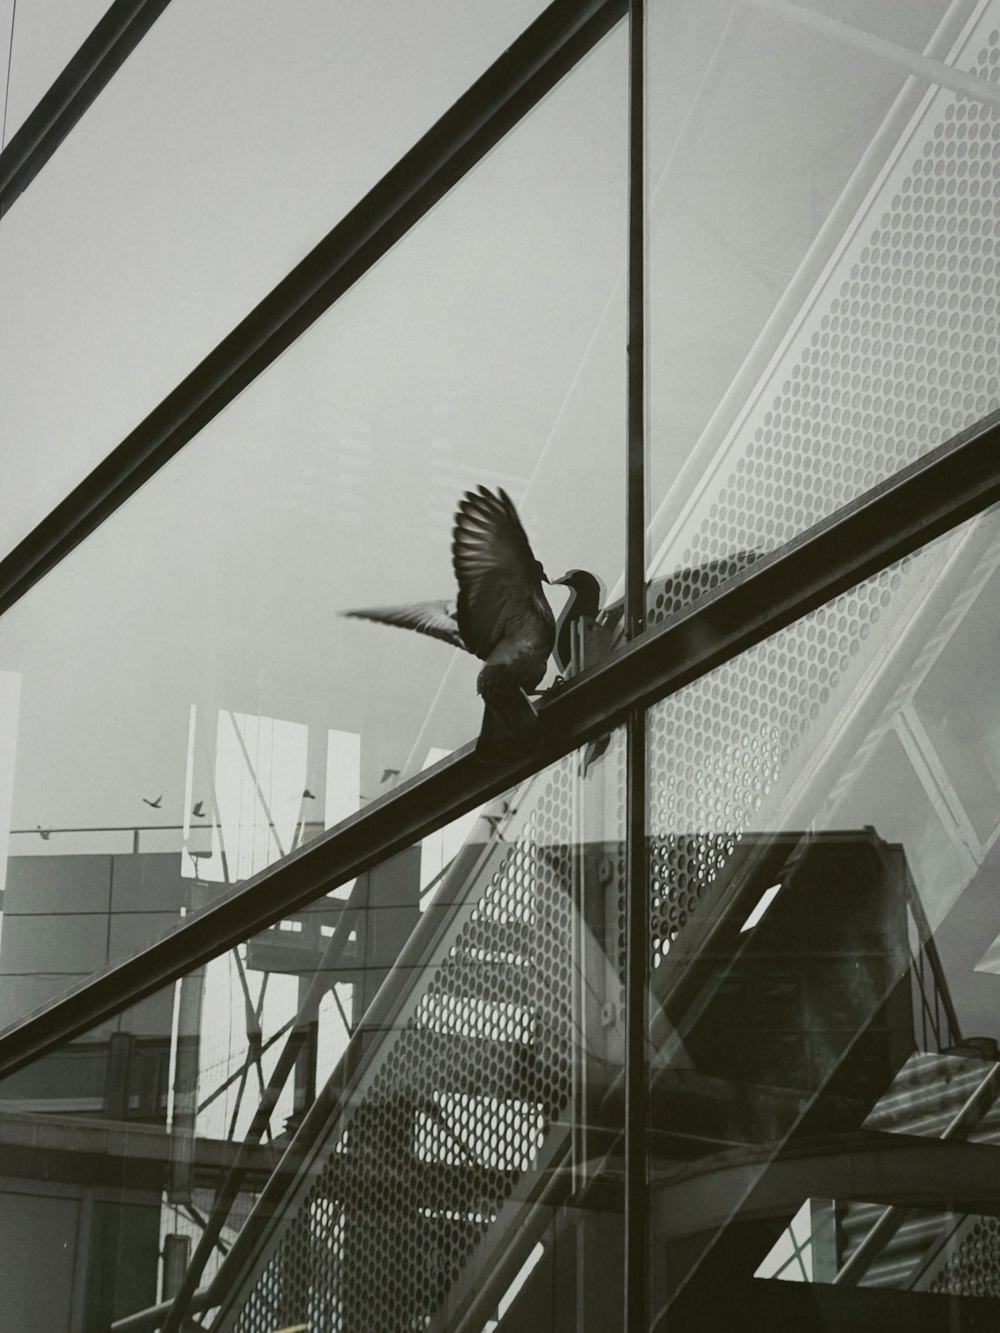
<point x="444" y="1043"/>
<point x="825" y="1090"/>
<point x="228" y="144"/>
<point x="184" y="683"/>
<point x="824" y="301"/>
<point x="46" y="35"/>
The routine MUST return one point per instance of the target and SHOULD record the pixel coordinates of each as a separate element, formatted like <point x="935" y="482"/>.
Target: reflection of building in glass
<point x="149" y="1104"/>
<point x="181" y="1074"/>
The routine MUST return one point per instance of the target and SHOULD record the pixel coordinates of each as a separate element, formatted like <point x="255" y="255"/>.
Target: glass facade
<point x="122" y="254"/>
<point x="821" y="950"/>
<point x="317" y="488"/>
<point x="312" y="1020"/>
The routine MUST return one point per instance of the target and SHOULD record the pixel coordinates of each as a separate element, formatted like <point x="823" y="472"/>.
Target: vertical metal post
<point x="635" y="501"/>
<point x="636" y="893"/>
<point x="636" y="1088"/>
<point x="181" y="1138"/>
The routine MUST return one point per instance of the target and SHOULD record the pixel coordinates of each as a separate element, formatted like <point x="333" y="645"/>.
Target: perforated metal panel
<point x="975" y="1269"/>
<point x="462" y="1103"/>
<point x="894" y="350"/>
<point x="718" y="747"/>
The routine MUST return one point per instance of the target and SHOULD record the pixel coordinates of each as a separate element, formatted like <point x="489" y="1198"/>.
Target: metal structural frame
<point x="115" y="37"/>
<point x="954" y="482"/>
<point x="636" y="1107"/>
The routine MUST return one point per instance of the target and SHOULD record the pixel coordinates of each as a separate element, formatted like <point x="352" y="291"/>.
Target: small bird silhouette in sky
<point x="199" y="810"/>
<point x="388" y="773"/>
<point x="155" y="804"/>
<point x="500" y="615"/>
<point x="45" y="833"/>
<point x="307" y="795"/>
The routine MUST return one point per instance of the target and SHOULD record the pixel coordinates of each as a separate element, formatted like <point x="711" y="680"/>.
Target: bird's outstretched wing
<point x="497" y="573"/>
<point x="434" y="618"/>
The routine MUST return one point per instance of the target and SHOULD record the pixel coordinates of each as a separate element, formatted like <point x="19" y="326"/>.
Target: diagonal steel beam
<point x="954" y="482"/>
<point x="115" y="37"/>
<point x="527" y="70"/>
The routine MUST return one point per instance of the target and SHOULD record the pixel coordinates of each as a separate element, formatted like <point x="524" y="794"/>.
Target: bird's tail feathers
<point x="510" y="724"/>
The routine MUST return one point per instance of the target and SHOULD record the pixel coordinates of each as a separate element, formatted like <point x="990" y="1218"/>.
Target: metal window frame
<point x="113" y="39"/>
<point x="949" y="485"/>
<point x="636" y="1101"/>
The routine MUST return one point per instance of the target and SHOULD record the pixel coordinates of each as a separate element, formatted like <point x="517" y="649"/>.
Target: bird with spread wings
<point x="500" y="615"/>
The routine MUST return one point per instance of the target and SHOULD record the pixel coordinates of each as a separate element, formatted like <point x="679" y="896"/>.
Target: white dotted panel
<point x="718" y="747"/>
<point x="895" y="350"/>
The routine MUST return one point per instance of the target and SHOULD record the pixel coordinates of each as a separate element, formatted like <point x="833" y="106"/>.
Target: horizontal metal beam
<point x="116" y="35"/>
<point x="527" y="70"/>
<point x="95" y="1145"/>
<point x="947" y="486"/>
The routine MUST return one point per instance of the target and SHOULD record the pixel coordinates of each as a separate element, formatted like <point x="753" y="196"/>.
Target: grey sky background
<point x="227" y="145"/>
<point x="486" y="347"/>
<point x="46" y="35"/>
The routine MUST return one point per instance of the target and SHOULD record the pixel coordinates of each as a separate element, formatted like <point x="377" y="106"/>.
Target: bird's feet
<point x="554" y="688"/>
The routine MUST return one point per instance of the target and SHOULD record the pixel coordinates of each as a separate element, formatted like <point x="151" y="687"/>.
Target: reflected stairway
<point x="481" y="1096"/>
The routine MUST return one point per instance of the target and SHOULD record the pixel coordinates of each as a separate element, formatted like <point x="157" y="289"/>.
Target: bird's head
<point x="587" y="588"/>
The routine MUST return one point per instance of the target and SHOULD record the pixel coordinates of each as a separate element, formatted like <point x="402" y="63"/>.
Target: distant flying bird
<point x="155" y="804"/>
<point x="388" y="773"/>
<point x="500" y="615"/>
<point x="199" y="810"/>
<point x="46" y="833"/>
<point x="307" y="795"/>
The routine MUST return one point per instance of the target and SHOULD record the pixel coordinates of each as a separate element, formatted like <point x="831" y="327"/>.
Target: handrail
<point x="947" y="486"/>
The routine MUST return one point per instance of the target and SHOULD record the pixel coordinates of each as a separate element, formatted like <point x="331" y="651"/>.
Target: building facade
<point x="685" y="1018"/>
